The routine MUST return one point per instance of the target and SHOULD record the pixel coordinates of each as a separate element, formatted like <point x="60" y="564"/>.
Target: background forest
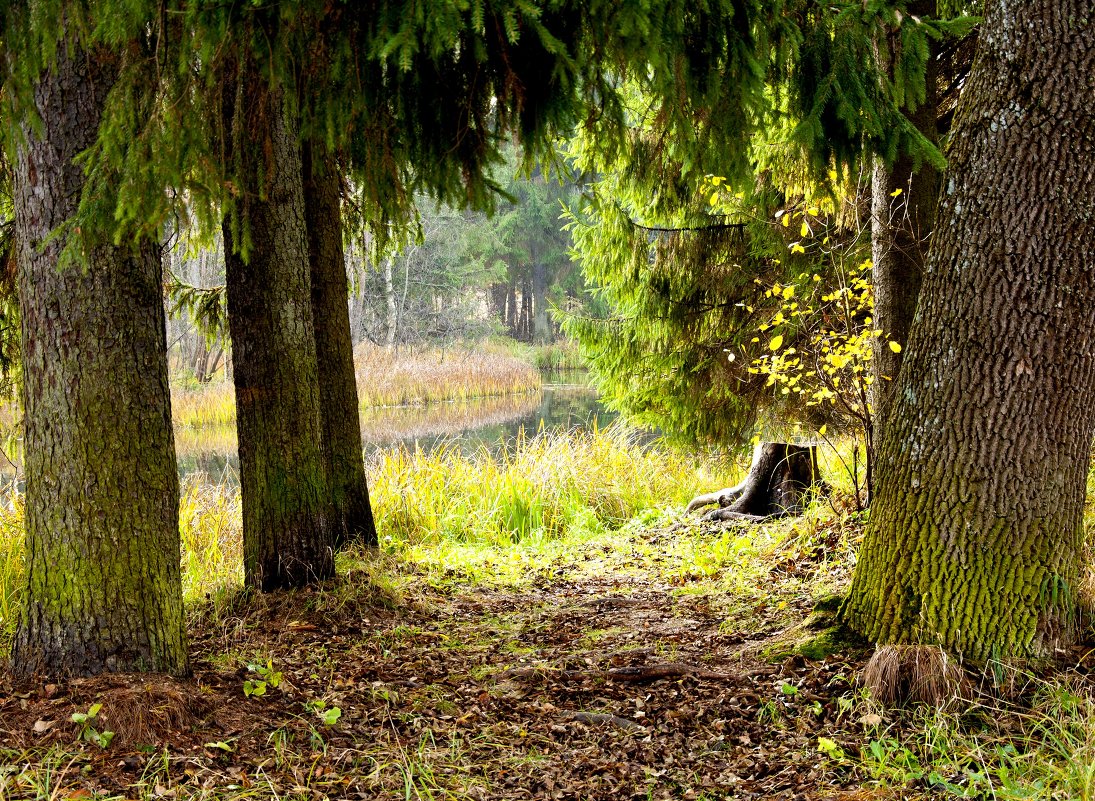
<point x="383" y="378"/>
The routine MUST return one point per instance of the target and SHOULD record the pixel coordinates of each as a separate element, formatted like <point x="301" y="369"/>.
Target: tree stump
<point x="778" y="481"/>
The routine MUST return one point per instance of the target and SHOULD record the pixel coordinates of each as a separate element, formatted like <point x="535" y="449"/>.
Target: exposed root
<point x="779" y="481"/>
<point x="904" y="674"/>
<point x="722" y="497"/>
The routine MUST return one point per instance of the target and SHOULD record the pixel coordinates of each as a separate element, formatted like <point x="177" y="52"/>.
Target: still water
<point x="490" y="423"/>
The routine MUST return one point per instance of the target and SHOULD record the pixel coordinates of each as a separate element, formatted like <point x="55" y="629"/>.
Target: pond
<point x="469" y="426"/>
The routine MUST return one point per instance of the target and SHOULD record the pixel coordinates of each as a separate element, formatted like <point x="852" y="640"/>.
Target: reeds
<point x="401" y="378"/>
<point x="385" y="378"/>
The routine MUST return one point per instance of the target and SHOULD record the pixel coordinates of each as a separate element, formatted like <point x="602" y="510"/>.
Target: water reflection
<point x="468" y="426"/>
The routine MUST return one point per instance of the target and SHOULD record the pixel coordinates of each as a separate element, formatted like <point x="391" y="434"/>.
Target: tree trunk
<point x="900" y="227"/>
<point x="525" y="325"/>
<point x="975" y="537"/>
<point x="541" y="324"/>
<point x="353" y="515"/>
<point x="777" y="485"/>
<point x="498" y="301"/>
<point x="389" y="297"/>
<point x="287" y="538"/>
<point x="102" y="495"/>
<point x="511" y="306"/>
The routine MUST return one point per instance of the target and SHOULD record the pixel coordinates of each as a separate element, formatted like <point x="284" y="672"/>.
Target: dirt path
<point x="605" y="683"/>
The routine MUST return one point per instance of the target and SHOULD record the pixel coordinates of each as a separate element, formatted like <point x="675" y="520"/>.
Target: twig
<point x="597" y="719"/>
<point x="636" y="675"/>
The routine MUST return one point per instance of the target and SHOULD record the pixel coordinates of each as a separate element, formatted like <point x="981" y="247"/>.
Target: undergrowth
<point x="494" y="518"/>
<point x="582" y="505"/>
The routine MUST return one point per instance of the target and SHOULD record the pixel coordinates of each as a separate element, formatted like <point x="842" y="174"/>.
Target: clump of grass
<point x="391" y="378"/>
<point x="211" y="531"/>
<point x="558" y="356"/>
<point x="898" y="674"/>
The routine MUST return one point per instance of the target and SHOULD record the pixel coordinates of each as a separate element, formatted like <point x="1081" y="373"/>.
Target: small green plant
<point x="831" y="750"/>
<point x="88" y="733"/>
<point x="328" y="714"/>
<point x="267" y="678"/>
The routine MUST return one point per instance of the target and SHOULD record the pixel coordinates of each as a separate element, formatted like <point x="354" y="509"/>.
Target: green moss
<point x="832" y="640"/>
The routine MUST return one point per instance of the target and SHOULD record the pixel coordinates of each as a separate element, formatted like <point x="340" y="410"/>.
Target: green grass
<point x="11" y="567"/>
<point x="1041" y="748"/>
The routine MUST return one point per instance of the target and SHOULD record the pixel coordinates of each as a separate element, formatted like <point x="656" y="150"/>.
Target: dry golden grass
<point x="399" y="378"/>
<point x="385" y="378"/>
<point x="909" y="674"/>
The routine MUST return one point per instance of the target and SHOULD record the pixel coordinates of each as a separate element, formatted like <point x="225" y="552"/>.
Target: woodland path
<point x="619" y="680"/>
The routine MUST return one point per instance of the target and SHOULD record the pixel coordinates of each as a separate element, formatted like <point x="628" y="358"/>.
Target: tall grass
<point x="545" y="488"/>
<point x="11" y="568"/>
<point x="212" y="404"/>
<point x="211" y="532"/>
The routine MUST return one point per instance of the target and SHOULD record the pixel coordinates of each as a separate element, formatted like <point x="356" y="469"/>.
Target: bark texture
<point x="287" y="535"/>
<point x="900" y="229"/>
<point x="777" y="485"/>
<point x="352" y="515"/>
<point x="102" y="495"/>
<point x="975" y="535"/>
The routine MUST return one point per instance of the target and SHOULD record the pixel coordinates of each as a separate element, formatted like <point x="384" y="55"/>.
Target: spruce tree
<point x="102" y="536"/>
<point x="351" y="512"/>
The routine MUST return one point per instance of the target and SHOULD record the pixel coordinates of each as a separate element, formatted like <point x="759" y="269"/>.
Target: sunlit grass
<point x="212" y="404"/>
<point x="11" y="567"/>
<point x="1041" y="750"/>
<point x="543" y="485"/>
<point x="497" y="517"/>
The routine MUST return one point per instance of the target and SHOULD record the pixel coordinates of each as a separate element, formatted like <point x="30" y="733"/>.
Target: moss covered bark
<point x="287" y="536"/>
<point x="352" y="514"/>
<point x="102" y="534"/>
<point x="976" y="531"/>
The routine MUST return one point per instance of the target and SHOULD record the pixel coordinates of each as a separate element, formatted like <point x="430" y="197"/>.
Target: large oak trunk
<point x="975" y="535"/>
<point x="287" y="536"/>
<point x="102" y="494"/>
<point x="352" y="514"/>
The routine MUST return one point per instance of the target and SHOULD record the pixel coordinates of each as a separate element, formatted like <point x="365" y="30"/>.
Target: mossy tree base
<point x="976" y="530"/>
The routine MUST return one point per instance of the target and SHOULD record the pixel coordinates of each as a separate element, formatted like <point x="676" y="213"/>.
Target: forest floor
<point x="632" y="667"/>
